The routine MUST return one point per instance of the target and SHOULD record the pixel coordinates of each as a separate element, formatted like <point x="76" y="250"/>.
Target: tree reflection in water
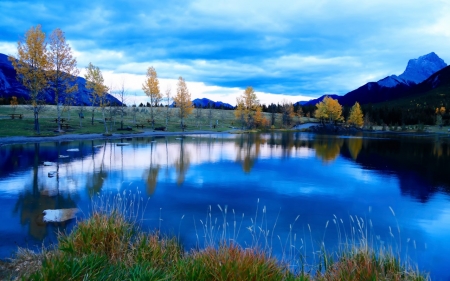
<point x="182" y="163"/>
<point x="151" y="174"/>
<point x="328" y="149"/>
<point x="36" y="198"/>
<point x="354" y="146"/>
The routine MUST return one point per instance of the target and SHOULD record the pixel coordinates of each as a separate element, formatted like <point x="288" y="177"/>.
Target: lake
<point x="289" y="192"/>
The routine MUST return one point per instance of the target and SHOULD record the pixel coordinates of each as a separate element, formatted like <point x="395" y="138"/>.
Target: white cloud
<point x="8" y="48"/>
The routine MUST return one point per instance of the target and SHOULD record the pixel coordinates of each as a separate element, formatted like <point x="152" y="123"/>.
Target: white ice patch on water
<point x="122" y="144"/>
<point x="59" y="215"/>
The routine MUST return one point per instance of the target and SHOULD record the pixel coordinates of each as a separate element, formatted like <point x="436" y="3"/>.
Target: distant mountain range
<point x="204" y="103"/>
<point x="9" y="86"/>
<point x="414" y="80"/>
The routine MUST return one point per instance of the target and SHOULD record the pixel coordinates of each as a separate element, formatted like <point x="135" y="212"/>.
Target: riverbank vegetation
<point x="110" y="245"/>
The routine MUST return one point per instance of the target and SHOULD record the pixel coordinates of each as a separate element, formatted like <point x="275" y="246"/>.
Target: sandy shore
<point x="72" y="137"/>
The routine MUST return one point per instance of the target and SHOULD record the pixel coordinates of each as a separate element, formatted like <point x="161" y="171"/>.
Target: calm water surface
<point x="299" y="189"/>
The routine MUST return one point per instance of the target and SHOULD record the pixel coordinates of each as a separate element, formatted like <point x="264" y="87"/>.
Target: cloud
<point x="293" y="48"/>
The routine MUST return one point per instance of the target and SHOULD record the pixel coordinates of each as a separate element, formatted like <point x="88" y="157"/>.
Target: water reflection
<point x="151" y="174"/>
<point x="36" y="197"/>
<point x="328" y="149"/>
<point x="354" y="146"/>
<point x="285" y="170"/>
<point x="182" y="163"/>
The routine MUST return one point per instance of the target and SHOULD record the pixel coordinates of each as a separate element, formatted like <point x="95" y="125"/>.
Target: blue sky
<point x="293" y="50"/>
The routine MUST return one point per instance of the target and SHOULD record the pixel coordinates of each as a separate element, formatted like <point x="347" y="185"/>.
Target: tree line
<point x="48" y="63"/>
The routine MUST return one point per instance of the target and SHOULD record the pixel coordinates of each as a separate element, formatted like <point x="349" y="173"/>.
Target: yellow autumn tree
<point x="151" y="89"/>
<point x="329" y="109"/>
<point x="183" y="101"/>
<point x="14" y="103"/>
<point x="30" y="65"/>
<point x="239" y="112"/>
<point x="259" y="117"/>
<point x="246" y="107"/>
<point x="439" y="112"/>
<point x="356" y="116"/>
<point x="62" y="72"/>
<point x="95" y="83"/>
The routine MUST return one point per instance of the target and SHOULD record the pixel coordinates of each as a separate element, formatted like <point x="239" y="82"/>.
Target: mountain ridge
<point x="9" y="86"/>
<point x="393" y="86"/>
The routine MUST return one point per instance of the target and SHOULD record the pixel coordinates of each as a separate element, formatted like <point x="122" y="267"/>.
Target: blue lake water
<point x="289" y="192"/>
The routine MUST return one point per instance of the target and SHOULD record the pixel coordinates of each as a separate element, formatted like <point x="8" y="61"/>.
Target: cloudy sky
<point x="285" y="49"/>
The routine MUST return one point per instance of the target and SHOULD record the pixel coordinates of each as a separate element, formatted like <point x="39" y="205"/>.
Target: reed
<point x="110" y="245"/>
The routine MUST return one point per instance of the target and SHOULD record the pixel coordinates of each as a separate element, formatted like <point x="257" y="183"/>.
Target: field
<point x="198" y="120"/>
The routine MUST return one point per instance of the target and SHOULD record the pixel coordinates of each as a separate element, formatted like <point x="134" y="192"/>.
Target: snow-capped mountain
<point x="393" y="86"/>
<point x="416" y="71"/>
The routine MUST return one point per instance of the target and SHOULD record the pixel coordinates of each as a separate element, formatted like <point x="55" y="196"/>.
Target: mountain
<point x="392" y="87"/>
<point x="204" y="103"/>
<point x="9" y="86"/>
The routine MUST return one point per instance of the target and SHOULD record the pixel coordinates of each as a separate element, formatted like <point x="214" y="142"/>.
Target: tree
<point x="299" y="114"/>
<point x="439" y="112"/>
<point x="287" y="110"/>
<point x="198" y="115"/>
<point x="183" y="101"/>
<point x="239" y="112"/>
<point x="30" y="66"/>
<point x="210" y="114"/>
<point x="63" y="71"/>
<point x="122" y="98"/>
<point x="151" y="89"/>
<point x="259" y="117"/>
<point x="329" y="109"/>
<point x="168" y="97"/>
<point x="95" y="83"/>
<point x="14" y="103"/>
<point x="250" y="103"/>
<point x="356" y="116"/>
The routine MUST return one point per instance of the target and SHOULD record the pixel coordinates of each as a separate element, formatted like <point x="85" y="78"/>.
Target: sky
<point x="286" y="50"/>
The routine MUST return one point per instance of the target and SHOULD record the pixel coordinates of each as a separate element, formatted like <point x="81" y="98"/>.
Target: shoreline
<point x="74" y="137"/>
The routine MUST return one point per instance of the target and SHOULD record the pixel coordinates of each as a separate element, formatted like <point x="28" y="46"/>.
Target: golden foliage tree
<point x="63" y="70"/>
<point x="329" y="109"/>
<point x="14" y="103"/>
<point x="259" y="117"/>
<point x="356" y="116"/>
<point x="239" y="112"/>
<point x="439" y="112"/>
<point x="151" y="89"/>
<point x="183" y="101"/>
<point x="95" y="83"/>
<point x="30" y="66"/>
<point x="246" y="106"/>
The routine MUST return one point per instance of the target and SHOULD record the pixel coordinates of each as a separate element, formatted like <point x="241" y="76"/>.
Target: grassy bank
<point x="109" y="246"/>
<point x="219" y="121"/>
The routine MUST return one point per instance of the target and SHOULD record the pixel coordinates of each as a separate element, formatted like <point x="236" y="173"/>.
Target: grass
<point x="223" y="119"/>
<point x="110" y="245"/>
